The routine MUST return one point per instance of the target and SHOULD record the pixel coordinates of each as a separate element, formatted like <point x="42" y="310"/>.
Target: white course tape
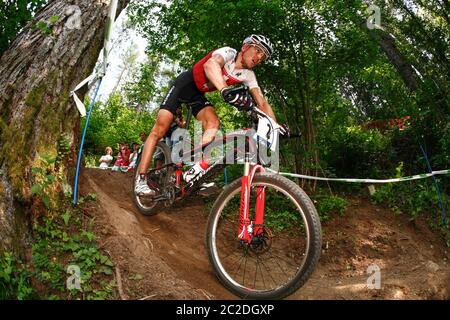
<point x="80" y="105"/>
<point x="102" y="69"/>
<point x="415" y="177"/>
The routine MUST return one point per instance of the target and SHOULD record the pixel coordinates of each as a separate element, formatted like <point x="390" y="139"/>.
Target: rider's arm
<point x="262" y="102"/>
<point x="213" y="70"/>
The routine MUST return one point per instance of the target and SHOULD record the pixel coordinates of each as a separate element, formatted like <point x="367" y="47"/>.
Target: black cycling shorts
<point x="184" y="90"/>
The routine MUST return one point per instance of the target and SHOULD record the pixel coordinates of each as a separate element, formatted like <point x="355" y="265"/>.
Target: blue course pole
<point x="80" y="152"/>
<point x="441" y="204"/>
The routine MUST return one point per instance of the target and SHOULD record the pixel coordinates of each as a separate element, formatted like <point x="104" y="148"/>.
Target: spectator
<point x="134" y="155"/>
<point x="122" y="159"/>
<point x="143" y="136"/>
<point x="106" y="159"/>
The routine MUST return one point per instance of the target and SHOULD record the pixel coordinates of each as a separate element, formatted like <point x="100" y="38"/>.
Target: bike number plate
<point x="267" y="133"/>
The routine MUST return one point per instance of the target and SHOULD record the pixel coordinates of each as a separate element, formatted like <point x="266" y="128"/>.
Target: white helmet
<point x="262" y="42"/>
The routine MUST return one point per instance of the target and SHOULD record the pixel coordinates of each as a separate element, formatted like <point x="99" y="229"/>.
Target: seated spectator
<point x="134" y="155"/>
<point x="106" y="159"/>
<point x="122" y="160"/>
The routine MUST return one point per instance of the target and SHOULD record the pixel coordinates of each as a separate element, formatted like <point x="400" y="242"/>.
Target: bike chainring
<point x="169" y="193"/>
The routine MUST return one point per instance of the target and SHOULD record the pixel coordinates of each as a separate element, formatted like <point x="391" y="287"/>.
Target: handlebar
<point x="254" y="112"/>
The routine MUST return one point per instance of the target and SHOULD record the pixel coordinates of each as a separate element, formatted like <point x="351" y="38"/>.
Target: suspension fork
<point x="178" y="173"/>
<point x="247" y="229"/>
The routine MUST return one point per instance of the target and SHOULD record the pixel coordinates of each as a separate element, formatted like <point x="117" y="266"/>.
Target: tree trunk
<point x="310" y="157"/>
<point x="37" y="116"/>
<point x="387" y="44"/>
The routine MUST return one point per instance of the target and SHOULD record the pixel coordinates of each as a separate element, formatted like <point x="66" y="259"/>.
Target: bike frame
<point x="247" y="228"/>
<point x="250" y="148"/>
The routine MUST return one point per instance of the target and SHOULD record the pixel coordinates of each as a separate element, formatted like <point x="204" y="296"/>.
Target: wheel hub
<point x="261" y="242"/>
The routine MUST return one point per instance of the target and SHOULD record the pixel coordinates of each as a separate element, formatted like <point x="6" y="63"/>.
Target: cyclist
<point x="218" y="70"/>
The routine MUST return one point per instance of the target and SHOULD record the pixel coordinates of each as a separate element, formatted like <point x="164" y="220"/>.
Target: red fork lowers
<point x="244" y="221"/>
<point x="178" y="174"/>
<point x="259" y="216"/>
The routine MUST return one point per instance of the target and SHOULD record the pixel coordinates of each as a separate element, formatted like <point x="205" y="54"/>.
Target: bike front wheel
<point x="161" y="156"/>
<point x="284" y="253"/>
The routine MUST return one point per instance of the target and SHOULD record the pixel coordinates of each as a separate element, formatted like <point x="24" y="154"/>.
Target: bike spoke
<point x="268" y="271"/>
<point x="245" y="268"/>
<point x="239" y="266"/>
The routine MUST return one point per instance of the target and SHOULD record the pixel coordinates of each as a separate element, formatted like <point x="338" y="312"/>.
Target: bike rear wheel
<point x="278" y="261"/>
<point x="146" y="205"/>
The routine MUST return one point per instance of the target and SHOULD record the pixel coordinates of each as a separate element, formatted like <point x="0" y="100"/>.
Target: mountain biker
<point x="218" y="70"/>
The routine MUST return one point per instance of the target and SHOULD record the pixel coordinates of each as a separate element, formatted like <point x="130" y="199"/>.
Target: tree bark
<point x="37" y="73"/>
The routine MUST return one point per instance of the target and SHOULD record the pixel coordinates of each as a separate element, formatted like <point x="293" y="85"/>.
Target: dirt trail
<point x="164" y="257"/>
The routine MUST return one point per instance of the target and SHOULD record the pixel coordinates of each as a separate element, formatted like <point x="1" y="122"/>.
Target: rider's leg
<point x="163" y="122"/>
<point x="211" y="125"/>
<point x="160" y="128"/>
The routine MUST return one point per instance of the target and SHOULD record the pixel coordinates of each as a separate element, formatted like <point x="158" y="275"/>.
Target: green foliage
<point x="234" y="171"/>
<point x="63" y="241"/>
<point x="329" y="206"/>
<point x="279" y="214"/>
<point x="281" y="219"/>
<point x="328" y="65"/>
<point x="351" y="151"/>
<point x="143" y="87"/>
<point x="44" y="27"/>
<point x="91" y="161"/>
<point x="14" y="15"/>
<point x="14" y="279"/>
<point x="88" y="197"/>
<point x="63" y="148"/>
<point x="414" y="198"/>
<point x="44" y="179"/>
<point x="53" y="19"/>
<point x="114" y="122"/>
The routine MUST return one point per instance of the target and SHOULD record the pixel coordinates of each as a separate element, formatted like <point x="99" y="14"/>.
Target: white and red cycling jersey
<point x="230" y="73"/>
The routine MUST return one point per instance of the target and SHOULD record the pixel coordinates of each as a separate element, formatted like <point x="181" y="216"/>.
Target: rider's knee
<point x="213" y="124"/>
<point x="157" y="133"/>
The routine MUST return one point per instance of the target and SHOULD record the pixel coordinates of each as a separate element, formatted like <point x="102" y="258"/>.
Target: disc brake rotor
<point x="261" y="242"/>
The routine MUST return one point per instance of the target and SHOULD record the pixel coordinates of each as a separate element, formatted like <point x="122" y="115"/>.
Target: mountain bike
<point x="263" y="235"/>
